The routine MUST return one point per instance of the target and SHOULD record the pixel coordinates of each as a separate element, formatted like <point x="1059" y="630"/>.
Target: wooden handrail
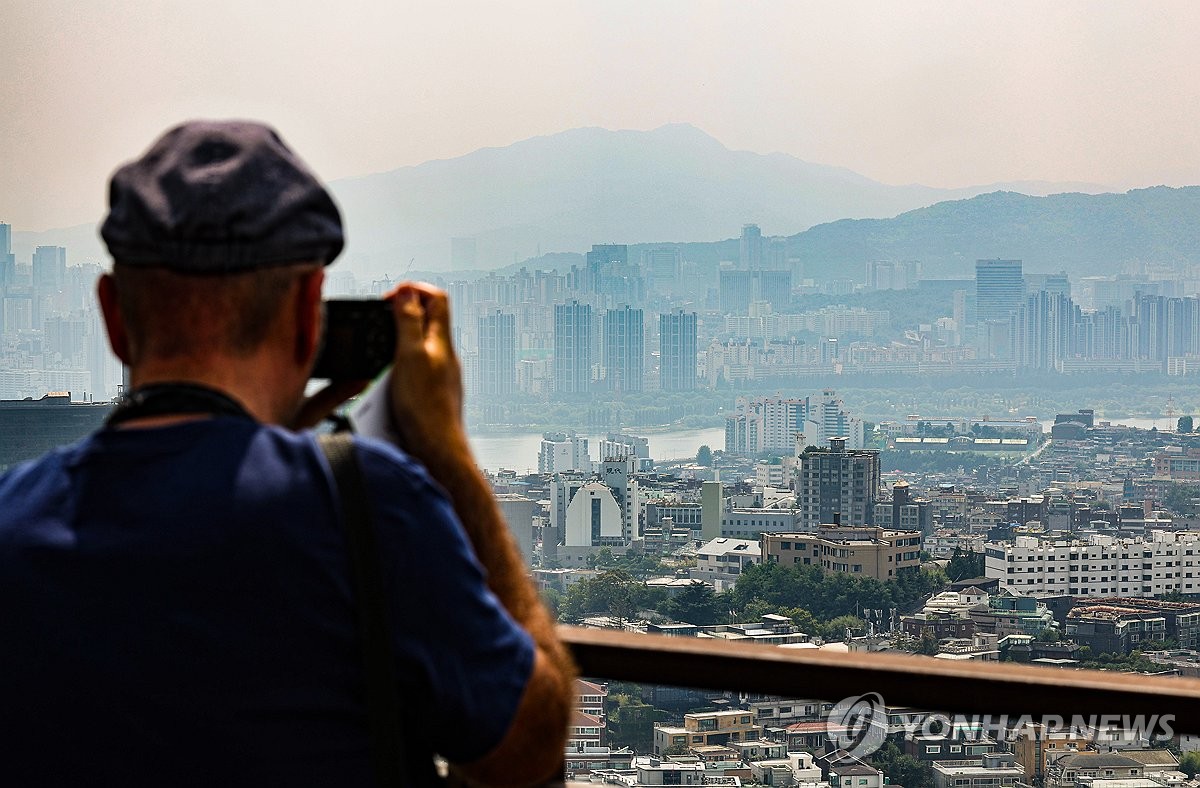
<point x="901" y="679"/>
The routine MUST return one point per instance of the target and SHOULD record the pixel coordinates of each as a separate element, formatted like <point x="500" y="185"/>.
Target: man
<point x="174" y="589"/>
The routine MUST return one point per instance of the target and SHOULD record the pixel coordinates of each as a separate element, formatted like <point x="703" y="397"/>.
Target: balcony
<point x="901" y="679"/>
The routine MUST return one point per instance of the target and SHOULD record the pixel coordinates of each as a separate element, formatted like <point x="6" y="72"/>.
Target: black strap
<point x="383" y="700"/>
<point x="170" y="399"/>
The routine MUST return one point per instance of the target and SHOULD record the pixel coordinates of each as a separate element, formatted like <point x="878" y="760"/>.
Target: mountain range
<point x="566" y="191"/>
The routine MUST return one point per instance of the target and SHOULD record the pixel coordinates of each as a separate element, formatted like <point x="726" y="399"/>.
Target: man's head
<point x="219" y="235"/>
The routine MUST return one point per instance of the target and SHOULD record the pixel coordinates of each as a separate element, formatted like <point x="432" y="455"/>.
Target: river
<point x="519" y="451"/>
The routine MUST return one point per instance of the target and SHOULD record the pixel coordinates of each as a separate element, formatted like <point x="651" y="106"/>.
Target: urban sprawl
<point x="1067" y="540"/>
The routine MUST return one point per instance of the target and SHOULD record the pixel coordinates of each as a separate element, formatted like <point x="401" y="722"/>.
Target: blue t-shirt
<point x="176" y="610"/>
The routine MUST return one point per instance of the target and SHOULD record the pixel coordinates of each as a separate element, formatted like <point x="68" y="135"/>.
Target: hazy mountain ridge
<point x="566" y="191"/>
<point x="1079" y="233"/>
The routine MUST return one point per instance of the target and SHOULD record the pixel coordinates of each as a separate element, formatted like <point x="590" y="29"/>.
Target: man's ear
<point x="114" y="321"/>
<point x="309" y="317"/>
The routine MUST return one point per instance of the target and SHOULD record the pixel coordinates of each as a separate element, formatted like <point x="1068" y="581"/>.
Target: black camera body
<point x="359" y="341"/>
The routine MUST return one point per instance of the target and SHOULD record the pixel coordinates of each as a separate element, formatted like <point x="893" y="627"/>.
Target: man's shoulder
<point x="385" y="465"/>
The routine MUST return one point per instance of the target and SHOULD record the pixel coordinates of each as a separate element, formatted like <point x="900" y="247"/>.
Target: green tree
<point x="1189" y="764"/>
<point x="704" y="456"/>
<point x="696" y="604"/>
<point x="901" y="769"/>
<point x="612" y="593"/>
<point x="964" y="565"/>
<point x="927" y="644"/>
<point x="1184" y="424"/>
<point x="836" y="628"/>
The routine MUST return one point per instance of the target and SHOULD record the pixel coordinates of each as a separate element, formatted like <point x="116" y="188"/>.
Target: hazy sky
<point x="946" y="94"/>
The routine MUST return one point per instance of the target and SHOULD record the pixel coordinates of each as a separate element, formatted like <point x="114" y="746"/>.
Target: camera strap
<point x="175" y="399"/>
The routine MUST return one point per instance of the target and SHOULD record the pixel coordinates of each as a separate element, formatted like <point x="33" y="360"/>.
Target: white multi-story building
<point x="594" y="518"/>
<point x="721" y="561"/>
<point x="563" y="451"/>
<point x="1101" y="566"/>
<point x="784" y="425"/>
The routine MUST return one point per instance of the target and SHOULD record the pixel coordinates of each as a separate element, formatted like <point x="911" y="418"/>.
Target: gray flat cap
<point x="212" y="197"/>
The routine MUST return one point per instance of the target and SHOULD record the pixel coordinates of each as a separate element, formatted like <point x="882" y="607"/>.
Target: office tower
<point x="735" y="292"/>
<point x="774" y="287"/>
<point x="751" y="247"/>
<point x="677" y="351"/>
<point x="49" y="279"/>
<point x="497" y="354"/>
<point x="837" y="486"/>
<point x="462" y="254"/>
<point x="999" y="288"/>
<point x="602" y="260"/>
<point x="624" y="349"/>
<point x="663" y="266"/>
<point x="572" y="348"/>
<point x="960" y="308"/>
<point x="8" y="263"/>
<point x="775" y="255"/>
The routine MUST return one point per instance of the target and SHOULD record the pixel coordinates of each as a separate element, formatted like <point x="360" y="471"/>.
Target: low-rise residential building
<point x="980" y="647"/>
<point x="657" y="771"/>
<point x="720" y="561"/>
<point x="866" y="551"/>
<point x="1068" y="770"/>
<point x="996" y="769"/>
<point x="1107" y="629"/>
<point x="781" y="712"/>
<point x="1014" y="615"/>
<point x="1162" y="563"/>
<point x="943" y="747"/>
<point x="581" y="760"/>
<point x="854" y="774"/>
<point x="785" y="769"/>
<point x="771" y="629"/>
<point x="706" y="728"/>
<point x="1036" y="746"/>
<point x="586" y="730"/>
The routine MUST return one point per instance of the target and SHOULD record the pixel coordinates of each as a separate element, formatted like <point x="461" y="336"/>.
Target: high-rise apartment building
<point x="624" y="349"/>
<point x="8" y="264"/>
<point x="1045" y="330"/>
<point x="837" y="486"/>
<point x="776" y="424"/>
<point x="677" y="351"/>
<point x="999" y="289"/>
<point x="572" y="348"/>
<point x="49" y="279"/>
<point x="497" y="354"/>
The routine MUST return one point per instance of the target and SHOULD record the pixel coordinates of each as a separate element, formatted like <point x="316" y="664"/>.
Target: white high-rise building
<point x="563" y="451"/>
<point x="766" y="424"/>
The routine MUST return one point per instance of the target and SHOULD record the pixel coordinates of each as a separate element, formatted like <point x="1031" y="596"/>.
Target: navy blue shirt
<point x="176" y="609"/>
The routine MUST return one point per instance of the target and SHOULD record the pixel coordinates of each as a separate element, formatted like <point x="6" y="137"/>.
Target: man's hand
<point x="427" y="402"/>
<point x="426" y="381"/>
<point x="316" y="408"/>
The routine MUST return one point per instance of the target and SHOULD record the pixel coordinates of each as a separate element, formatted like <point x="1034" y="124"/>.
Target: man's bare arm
<point x="426" y="400"/>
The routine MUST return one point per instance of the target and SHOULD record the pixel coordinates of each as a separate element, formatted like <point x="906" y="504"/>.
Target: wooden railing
<point x="901" y="679"/>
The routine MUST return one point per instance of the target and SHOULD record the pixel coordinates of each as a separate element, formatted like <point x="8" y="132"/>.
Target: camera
<point x="359" y="341"/>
